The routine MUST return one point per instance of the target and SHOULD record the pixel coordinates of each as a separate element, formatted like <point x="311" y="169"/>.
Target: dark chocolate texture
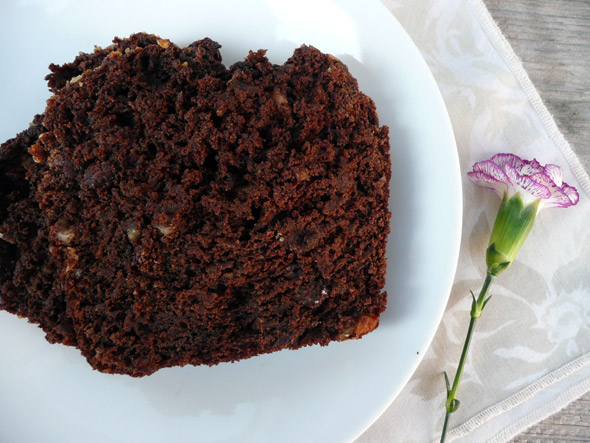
<point x="166" y="210"/>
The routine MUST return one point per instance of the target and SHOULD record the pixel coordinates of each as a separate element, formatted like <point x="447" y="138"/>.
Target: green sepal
<point x="452" y="405"/>
<point x="511" y="228"/>
<point x="447" y="382"/>
<point x="485" y="302"/>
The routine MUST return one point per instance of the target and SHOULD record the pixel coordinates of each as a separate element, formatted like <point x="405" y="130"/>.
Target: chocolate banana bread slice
<point x="166" y="210"/>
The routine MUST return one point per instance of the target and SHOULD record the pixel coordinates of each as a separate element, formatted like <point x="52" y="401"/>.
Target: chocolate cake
<point x="166" y="210"/>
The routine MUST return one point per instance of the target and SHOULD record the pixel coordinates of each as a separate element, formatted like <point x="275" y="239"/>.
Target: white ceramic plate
<point x="49" y="393"/>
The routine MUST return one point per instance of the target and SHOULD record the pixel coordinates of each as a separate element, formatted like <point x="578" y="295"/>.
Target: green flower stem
<point x="511" y="227"/>
<point x="477" y="307"/>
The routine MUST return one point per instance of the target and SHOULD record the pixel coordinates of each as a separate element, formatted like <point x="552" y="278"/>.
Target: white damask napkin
<point x="530" y="353"/>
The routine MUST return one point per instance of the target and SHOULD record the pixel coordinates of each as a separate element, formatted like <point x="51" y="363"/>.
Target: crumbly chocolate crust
<point x="166" y="210"/>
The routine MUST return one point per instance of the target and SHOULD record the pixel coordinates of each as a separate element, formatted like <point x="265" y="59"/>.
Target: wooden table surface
<point x="552" y="38"/>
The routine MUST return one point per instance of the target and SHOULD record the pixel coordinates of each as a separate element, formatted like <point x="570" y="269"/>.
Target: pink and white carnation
<point x="524" y="187"/>
<point x="509" y="174"/>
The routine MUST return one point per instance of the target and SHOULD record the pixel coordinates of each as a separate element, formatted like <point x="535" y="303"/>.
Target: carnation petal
<point x="532" y="187"/>
<point x="557" y="200"/>
<point x="531" y="167"/>
<point x="572" y="193"/>
<point x="483" y="179"/>
<point x="554" y="173"/>
<point x="513" y="160"/>
<point x="492" y="169"/>
<point x="562" y="196"/>
<point x="524" y="167"/>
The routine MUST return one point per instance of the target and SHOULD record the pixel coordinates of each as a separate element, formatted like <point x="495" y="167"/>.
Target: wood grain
<point x="571" y="424"/>
<point x="552" y="38"/>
